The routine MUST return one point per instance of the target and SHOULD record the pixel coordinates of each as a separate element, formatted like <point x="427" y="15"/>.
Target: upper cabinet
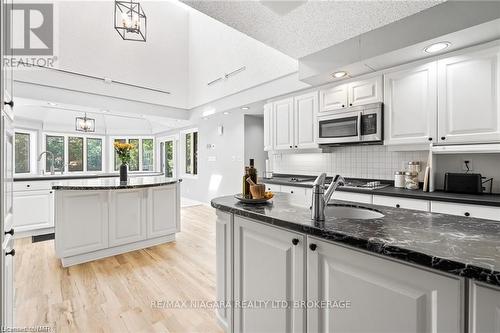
<point x="292" y="125"/>
<point x="351" y="94"/>
<point x="468" y="90"/>
<point x="410" y="109"/>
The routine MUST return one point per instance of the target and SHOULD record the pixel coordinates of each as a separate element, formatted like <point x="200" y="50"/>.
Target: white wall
<point x="215" y="49"/>
<point x="254" y="142"/>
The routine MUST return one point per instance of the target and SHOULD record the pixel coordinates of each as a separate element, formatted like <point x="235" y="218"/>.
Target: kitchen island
<point x="97" y="218"/>
<point x="408" y="271"/>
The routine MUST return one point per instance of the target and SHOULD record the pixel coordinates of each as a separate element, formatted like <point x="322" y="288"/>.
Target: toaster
<point x="470" y="183"/>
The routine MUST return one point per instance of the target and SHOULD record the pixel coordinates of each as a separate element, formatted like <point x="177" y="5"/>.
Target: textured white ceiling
<point x="299" y="28"/>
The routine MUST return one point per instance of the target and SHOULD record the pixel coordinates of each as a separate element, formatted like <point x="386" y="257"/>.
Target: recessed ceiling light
<point x="225" y="112"/>
<point x="340" y="74"/>
<point x="52" y="104"/>
<point x="437" y="47"/>
<point x="245" y="108"/>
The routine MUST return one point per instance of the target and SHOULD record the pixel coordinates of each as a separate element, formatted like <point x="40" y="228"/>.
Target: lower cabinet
<point x="34" y="211"/>
<point x="127" y="216"/>
<point x="268" y="266"/>
<point x="484" y="308"/>
<point x="351" y="196"/>
<point x="405" y="203"/>
<point x="224" y="268"/>
<point x="383" y="295"/>
<point x="164" y="215"/>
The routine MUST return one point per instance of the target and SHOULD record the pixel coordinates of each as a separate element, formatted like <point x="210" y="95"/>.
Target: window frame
<point x="66" y="151"/>
<point x="111" y="155"/>
<point x="33" y="140"/>
<point x="183" y="153"/>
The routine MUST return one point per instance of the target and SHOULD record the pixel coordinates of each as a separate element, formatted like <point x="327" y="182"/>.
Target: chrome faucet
<point x="320" y="198"/>
<point x="49" y="153"/>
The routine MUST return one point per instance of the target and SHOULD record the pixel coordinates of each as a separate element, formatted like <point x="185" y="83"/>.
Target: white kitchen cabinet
<point x="469" y="97"/>
<point x="273" y="188"/>
<point x="305" y="110"/>
<point x="351" y="196"/>
<point x="297" y="194"/>
<point x="7" y="295"/>
<point x="484" y="308"/>
<point x="224" y="267"/>
<point x="476" y="211"/>
<point x="405" y="203"/>
<point x="365" y="91"/>
<point x="34" y="211"/>
<point x="268" y="127"/>
<point x="384" y="295"/>
<point x="164" y="216"/>
<point x="410" y="105"/>
<point x="333" y="98"/>
<point x="82" y="222"/>
<point x="283" y="124"/>
<point x="127" y="216"/>
<point x="280" y="277"/>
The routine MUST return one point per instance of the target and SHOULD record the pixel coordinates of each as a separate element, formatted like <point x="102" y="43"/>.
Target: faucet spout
<point x="48" y="153"/>
<point x="320" y="198"/>
<point x="336" y="182"/>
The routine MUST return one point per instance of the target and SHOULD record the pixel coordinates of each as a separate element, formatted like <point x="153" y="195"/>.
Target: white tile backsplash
<point x="353" y="161"/>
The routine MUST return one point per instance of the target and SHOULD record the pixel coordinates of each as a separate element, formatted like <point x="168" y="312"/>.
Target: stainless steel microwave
<point x="358" y="124"/>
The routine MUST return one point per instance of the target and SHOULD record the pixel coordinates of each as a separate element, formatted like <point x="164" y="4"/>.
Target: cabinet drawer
<point x="33" y="185"/>
<point x="354" y="197"/>
<point x="482" y="212"/>
<point x="273" y="188"/>
<point x="405" y="203"/>
<point x="297" y="194"/>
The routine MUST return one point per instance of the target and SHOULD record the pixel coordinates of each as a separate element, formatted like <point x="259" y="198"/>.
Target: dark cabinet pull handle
<point x="443" y="138"/>
<point x="291" y="192"/>
<point x="11" y="103"/>
<point x="350" y="104"/>
<point x="296" y="146"/>
<point x="11" y="253"/>
<point x="313" y="247"/>
<point x="295" y="241"/>
<point x="28" y="185"/>
<point x="398" y="206"/>
<point x="430" y="139"/>
<point x="10" y="232"/>
<point x="467" y="214"/>
<point x="343" y="105"/>
<point x="291" y="147"/>
<point x="51" y="192"/>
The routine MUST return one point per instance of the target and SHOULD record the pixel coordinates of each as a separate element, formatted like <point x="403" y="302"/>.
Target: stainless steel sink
<point x="351" y="212"/>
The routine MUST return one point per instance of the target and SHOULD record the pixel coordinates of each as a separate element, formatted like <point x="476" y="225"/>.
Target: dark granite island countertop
<point x="466" y="247"/>
<point x="113" y="183"/>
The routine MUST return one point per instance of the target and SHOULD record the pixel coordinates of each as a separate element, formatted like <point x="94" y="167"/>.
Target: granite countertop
<point x="81" y="176"/>
<point x="112" y="183"/>
<point x="475" y="199"/>
<point x="466" y="247"/>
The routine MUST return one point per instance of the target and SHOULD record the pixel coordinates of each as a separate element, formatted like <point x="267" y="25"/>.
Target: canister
<point x="399" y="179"/>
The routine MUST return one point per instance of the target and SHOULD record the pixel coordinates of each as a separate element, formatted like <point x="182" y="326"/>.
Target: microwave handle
<point x="359" y="125"/>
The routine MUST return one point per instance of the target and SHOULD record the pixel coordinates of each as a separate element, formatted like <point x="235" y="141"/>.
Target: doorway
<point x="168" y="156"/>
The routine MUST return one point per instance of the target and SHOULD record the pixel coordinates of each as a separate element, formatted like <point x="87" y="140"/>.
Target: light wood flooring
<point x="115" y="294"/>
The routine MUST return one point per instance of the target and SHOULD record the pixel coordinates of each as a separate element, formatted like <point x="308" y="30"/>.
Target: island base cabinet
<point x="365" y="293"/>
<point x="268" y="267"/>
<point x="484" y="308"/>
<point x="224" y="268"/>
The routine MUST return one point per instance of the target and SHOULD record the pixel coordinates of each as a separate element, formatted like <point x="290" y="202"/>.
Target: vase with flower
<point x="123" y="152"/>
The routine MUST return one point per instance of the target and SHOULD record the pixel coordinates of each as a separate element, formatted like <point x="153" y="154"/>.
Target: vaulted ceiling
<point x="299" y="28"/>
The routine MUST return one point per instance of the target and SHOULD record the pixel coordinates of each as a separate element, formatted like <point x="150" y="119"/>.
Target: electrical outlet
<point x="467" y="165"/>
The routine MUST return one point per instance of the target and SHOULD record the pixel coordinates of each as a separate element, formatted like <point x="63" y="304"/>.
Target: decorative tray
<point x="241" y="198"/>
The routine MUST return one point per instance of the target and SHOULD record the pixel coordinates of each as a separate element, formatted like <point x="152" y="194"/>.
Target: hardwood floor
<point x="116" y="294"/>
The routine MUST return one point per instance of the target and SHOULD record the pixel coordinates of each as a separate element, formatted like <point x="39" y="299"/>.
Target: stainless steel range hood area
<point x="462" y="23"/>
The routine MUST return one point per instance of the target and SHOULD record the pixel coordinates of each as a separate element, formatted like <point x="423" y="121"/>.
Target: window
<point x="94" y="154"/>
<point x="147" y="155"/>
<point x="55" y="145"/>
<point x="75" y="154"/>
<point x="190" y="146"/>
<point x="169" y="158"/>
<point x="22" y="152"/>
<point x="141" y="156"/>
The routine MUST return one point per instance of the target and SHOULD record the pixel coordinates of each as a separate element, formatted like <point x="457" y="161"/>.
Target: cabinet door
<point x="405" y="203"/>
<point x="410" y="109"/>
<point x="283" y="124"/>
<point x="484" y="308"/>
<point x="468" y="90"/>
<point x="224" y="267"/>
<point x="163" y="213"/>
<point x="306" y="107"/>
<point x="297" y="194"/>
<point x="7" y="294"/>
<point x="334" y="98"/>
<point x="34" y="210"/>
<point x="81" y="222"/>
<point x="268" y="267"/>
<point x="127" y="216"/>
<point x="365" y="92"/>
<point x="382" y="295"/>
<point x="268" y="127"/>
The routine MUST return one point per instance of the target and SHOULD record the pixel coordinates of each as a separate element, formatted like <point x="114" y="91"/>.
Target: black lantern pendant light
<point x="130" y="20"/>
